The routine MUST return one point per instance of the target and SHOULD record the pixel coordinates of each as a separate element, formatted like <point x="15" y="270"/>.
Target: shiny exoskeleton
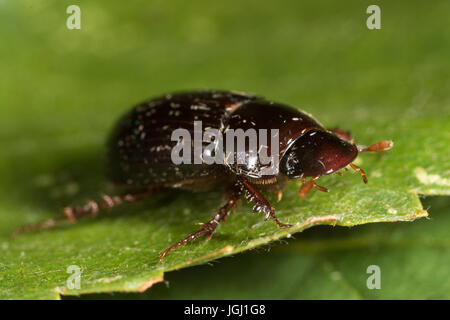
<point x="140" y="149"/>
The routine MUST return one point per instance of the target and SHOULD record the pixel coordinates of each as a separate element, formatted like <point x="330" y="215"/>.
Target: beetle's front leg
<point x="261" y="204"/>
<point x="345" y="135"/>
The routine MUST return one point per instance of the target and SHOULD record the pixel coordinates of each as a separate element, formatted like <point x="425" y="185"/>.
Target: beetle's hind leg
<point x="208" y="228"/>
<point x="73" y="213"/>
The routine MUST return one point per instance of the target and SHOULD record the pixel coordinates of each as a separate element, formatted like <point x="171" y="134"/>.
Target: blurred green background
<point x="62" y="90"/>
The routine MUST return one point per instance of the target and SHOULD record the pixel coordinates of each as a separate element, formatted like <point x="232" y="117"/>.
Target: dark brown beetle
<point x="140" y="149"/>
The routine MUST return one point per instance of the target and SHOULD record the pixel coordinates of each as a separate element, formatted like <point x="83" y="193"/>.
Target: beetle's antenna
<point x="361" y="172"/>
<point x="379" y="146"/>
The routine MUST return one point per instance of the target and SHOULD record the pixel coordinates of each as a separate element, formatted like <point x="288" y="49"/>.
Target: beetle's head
<point x="315" y="153"/>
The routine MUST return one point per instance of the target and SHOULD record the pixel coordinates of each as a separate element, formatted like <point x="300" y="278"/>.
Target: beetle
<point x="140" y="150"/>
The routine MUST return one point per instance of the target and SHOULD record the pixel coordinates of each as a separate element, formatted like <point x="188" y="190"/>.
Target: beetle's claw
<point x="361" y="172"/>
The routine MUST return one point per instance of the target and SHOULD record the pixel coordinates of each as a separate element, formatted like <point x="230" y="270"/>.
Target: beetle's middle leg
<point x="261" y="204"/>
<point x="209" y="227"/>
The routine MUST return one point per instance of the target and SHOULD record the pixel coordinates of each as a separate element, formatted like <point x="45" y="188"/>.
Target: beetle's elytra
<point x="140" y="149"/>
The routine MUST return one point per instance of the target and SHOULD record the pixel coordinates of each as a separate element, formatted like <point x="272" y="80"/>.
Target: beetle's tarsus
<point x="73" y="213"/>
<point x="361" y="171"/>
<point x="38" y="226"/>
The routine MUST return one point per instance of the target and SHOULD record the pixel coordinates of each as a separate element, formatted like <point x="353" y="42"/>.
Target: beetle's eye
<point x="317" y="153"/>
<point x="292" y="162"/>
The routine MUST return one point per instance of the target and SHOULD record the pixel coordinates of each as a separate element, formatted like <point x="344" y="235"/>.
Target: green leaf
<point x="326" y="263"/>
<point x="62" y="90"/>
